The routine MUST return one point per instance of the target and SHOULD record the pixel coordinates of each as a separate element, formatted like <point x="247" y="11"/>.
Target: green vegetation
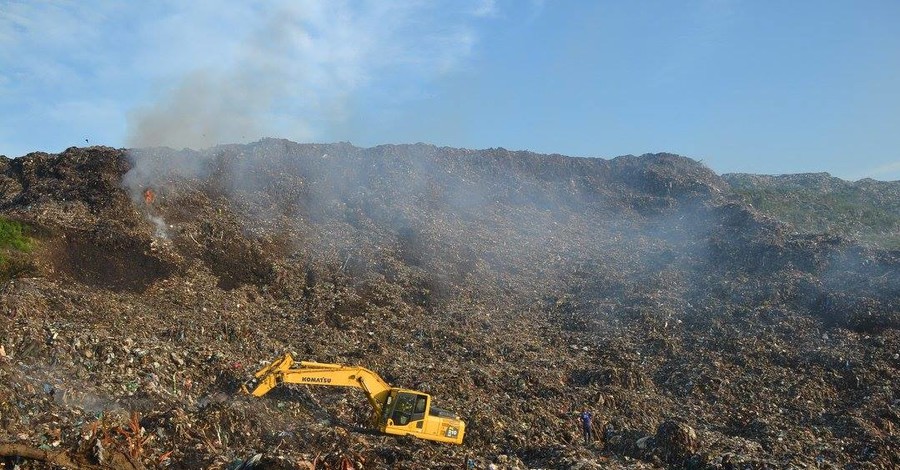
<point x="866" y="211"/>
<point x="13" y="243"/>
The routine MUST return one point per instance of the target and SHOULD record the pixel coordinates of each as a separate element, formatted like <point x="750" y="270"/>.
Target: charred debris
<point x="517" y="287"/>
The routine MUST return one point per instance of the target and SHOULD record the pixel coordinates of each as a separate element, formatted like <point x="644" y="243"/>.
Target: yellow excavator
<point x="396" y="411"/>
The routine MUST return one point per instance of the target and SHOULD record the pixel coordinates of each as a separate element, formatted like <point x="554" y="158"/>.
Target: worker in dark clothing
<point x="587" y="426"/>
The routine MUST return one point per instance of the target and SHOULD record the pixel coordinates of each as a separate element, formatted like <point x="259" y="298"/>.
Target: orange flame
<point x="149" y="196"/>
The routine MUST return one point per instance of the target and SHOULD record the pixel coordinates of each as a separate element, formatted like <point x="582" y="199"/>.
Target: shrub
<point x="13" y="242"/>
<point x="12" y="236"/>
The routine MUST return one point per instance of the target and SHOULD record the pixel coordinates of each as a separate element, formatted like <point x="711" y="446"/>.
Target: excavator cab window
<point x="388" y="407"/>
<point x="421" y="404"/>
<point x="403" y="410"/>
<point x="421" y="400"/>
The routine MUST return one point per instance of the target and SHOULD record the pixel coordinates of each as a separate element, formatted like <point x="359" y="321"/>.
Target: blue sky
<point x="744" y="86"/>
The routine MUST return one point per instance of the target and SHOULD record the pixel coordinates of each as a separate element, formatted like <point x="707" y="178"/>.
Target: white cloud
<point x="53" y="51"/>
<point x="205" y="71"/>
<point x="49" y="29"/>
<point x="486" y="8"/>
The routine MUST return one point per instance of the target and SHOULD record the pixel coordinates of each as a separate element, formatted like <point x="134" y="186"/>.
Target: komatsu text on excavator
<point x="395" y="411"/>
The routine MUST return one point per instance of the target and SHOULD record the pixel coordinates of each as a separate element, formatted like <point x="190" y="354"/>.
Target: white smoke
<point x="161" y="230"/>
<point x="295" y="70"/>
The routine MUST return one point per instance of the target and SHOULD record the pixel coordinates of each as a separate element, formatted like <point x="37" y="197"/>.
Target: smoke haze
<point x="294" y="72"/>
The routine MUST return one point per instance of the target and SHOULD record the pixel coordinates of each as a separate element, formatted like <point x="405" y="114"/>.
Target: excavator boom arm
<point x="286" y="370"/>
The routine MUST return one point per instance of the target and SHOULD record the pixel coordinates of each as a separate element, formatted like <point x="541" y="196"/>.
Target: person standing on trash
<point x="587" y="426"/>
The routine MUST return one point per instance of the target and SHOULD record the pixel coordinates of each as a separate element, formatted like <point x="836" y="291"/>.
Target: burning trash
<point x="149" y="196"/>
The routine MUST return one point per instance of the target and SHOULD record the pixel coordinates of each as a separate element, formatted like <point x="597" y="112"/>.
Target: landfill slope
<point x="516" y="288"/>
<point x="866" y="210"/>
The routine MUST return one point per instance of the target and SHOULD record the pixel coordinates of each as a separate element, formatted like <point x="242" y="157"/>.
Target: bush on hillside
<point x="13" y="243"/>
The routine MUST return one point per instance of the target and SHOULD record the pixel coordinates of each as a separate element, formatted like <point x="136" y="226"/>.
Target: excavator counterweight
<point x="395" y="411"/>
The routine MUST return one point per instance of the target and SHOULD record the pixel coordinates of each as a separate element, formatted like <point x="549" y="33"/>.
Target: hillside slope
<point x="865" y="210"/>
<point x="517" y="288"/>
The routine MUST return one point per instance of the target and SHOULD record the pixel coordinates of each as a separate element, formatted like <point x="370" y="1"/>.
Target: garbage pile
<point x="866" y="210"/>
<point x="516" y="288"/>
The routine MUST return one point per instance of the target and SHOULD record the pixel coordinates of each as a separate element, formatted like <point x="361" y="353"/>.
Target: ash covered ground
<point x="516" y="288"/>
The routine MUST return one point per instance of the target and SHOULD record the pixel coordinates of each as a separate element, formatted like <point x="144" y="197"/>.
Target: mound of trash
<point x="516" y="288"/>
<point x="867" y="211"/>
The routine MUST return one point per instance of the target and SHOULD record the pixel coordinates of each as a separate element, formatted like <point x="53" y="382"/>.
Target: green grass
<point x="848" y="211"/>
<point x="14" y="242"/>
<point x="12" y="236"/>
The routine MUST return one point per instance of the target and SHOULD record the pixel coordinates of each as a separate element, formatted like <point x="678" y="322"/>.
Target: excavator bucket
<point x="248" y="385"/>
<point x="266" y="378"/>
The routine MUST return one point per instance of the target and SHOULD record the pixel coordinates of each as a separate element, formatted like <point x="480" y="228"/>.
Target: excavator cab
<point x="410" y="412"/>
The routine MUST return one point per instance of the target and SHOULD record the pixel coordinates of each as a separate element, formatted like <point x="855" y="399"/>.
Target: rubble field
<point x="516" y="288"/>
